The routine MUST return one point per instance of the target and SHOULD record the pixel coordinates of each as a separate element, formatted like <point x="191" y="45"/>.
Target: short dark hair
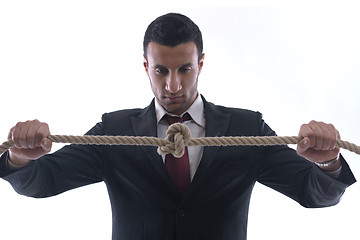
<point x="171" y="30"/>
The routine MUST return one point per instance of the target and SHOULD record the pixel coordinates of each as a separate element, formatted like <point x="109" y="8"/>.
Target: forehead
<point x="172" y="56"/>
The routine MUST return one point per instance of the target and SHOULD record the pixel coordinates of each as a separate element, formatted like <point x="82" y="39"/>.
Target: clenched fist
<point x="319" y="143"/>
<point x="30" y="141"/>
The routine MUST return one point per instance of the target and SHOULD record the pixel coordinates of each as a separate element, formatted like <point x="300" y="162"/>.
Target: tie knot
<point x="174" y="119"/>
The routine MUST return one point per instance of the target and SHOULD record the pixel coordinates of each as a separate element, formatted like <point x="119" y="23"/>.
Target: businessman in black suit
<point x="148" y="200"/>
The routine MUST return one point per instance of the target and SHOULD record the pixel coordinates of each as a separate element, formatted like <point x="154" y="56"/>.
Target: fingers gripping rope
<point x="178" y="136"/>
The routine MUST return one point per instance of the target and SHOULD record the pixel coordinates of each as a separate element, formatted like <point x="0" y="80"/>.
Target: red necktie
<point x="179" y="168"/>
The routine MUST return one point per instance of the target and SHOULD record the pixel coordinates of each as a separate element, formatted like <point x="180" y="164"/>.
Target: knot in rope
<point x="178" y="137"/>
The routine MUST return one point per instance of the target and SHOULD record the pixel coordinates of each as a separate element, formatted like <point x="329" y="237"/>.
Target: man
<point x="211" y="200"/>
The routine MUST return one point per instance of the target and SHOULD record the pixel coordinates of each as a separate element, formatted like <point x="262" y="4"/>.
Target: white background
<point x="67" y="62"/>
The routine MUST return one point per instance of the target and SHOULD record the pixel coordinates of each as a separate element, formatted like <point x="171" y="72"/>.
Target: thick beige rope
<point x="178" y="136"/>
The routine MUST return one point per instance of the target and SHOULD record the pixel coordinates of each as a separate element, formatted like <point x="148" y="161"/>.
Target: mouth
<point x="173" y="98"/>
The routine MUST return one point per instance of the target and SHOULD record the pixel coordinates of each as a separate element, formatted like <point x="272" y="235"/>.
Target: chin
<point x="176" y="111"/>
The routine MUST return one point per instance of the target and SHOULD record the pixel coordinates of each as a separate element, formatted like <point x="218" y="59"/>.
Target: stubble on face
<point x="178" y="104"/>
<point x="181" y="60"/>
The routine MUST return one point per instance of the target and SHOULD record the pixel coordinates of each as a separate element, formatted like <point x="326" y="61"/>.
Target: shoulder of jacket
<point x="236" y="112"/>
<point x="122" y="113"/>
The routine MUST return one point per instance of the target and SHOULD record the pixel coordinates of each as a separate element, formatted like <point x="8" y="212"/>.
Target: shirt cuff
<point x="12" y="165"/>
<point x="335" y="174"/>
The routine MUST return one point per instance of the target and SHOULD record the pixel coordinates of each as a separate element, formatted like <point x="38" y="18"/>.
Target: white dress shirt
<point x="196" y="126"/>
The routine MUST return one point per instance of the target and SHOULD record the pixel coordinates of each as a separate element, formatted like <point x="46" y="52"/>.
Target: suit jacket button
<point x="181" y="212"/>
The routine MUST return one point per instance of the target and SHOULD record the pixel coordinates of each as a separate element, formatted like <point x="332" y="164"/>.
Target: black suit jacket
<point x="145" y="203"/>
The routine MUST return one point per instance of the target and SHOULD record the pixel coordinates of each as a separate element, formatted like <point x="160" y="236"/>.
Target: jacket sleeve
<point x="285" y="171"/>
<point x="68" y="168"/>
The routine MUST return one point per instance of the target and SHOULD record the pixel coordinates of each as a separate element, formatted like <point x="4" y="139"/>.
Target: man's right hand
<point x="30" y="142"/>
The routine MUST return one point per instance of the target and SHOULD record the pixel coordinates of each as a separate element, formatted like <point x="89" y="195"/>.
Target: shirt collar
<point x="196" y="111"/>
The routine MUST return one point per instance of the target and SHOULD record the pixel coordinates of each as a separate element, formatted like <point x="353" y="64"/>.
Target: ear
<point x="145" y="63"/>
<point x="201" y="62"/>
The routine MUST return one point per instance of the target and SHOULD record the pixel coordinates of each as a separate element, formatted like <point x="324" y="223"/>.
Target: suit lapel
<point x="145" y="125"/>
<point x="217" y="124"/>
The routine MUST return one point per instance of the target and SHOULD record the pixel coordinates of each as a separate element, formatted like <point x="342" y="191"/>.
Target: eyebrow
<point x="189" y="64"/>
<point x="158" y="66"/>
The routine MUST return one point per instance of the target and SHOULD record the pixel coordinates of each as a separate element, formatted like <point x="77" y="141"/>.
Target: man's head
<point x="172" y="45"/>
<point x="172" y="29"/>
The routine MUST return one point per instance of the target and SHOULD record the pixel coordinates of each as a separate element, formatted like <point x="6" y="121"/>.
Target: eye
<point x="185" y="69"/>
<point x="161" y="70"/>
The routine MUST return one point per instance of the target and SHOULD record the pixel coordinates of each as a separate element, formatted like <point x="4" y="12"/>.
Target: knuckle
<point x="303" y="128"/>
<point x="19" y="124"/>
<point x="45" y="125"/>
<point x="44" y="129"/>
<point x="338" y="135"/>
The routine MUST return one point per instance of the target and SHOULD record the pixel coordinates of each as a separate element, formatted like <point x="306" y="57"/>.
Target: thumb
<point x="303" y="146"/>
<point x="46" y="144"/>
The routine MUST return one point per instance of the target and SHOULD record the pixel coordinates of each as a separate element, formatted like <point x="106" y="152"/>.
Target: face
<point x="173" y="74"/>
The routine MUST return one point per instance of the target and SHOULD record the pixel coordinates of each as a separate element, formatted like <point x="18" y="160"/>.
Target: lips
<point x="173" y="98"/>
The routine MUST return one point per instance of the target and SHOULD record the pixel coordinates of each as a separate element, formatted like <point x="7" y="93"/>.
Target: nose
<point x="173" y="83"/>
